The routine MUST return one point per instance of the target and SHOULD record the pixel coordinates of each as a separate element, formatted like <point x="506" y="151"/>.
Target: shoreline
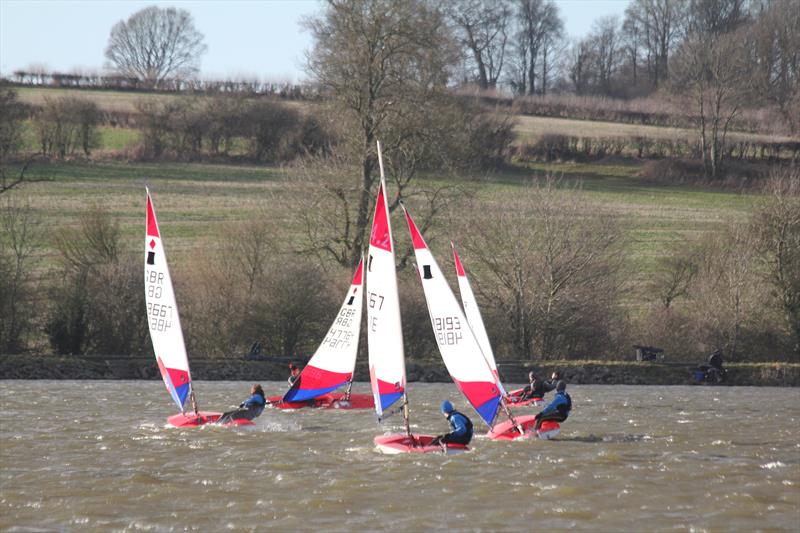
<point x="770" y="374"/>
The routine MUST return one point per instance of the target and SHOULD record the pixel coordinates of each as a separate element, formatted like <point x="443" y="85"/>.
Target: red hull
<point x="508" y="431"/>
<point x="513" y="401"/>
<point x="193" y="420"/>
<point x="204" y="417"/>
<point x="327" y="401"/>
<point x="402" y="443"/>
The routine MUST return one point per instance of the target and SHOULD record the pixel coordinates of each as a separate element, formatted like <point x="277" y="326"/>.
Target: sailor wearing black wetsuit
<point x="248" y="409"/>
<point x="537" y="387"/>
<point x="461" y="427"/>
<point x="559" y="408"/>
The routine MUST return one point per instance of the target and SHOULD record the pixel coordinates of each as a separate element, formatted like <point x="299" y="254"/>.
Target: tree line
<point x="548" y="270"/>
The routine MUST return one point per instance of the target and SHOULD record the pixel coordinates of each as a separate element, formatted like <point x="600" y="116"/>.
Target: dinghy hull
<point x="508" y="431"/>
<point x="512" y="400"/>
<point x="402" y="443"/>
<point x="327" y="401"/>
<point x="204" y="417"/>
<point x="193" y="420"/>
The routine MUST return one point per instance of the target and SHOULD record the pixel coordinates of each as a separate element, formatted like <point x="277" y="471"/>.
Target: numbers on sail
<point x="447" y="329"/>
<point x="345" y="318"/>
<point x="160" y="316"/>
<point x="155" y="281"/>
<point x="375" y="301"/>
<point x="338" y="338"/>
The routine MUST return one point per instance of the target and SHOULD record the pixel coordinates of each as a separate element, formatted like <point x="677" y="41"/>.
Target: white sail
<point x="333" y="363"/>
<point x="474" y="318"/>
<point x="458" y="346"/>
<point x="387" y="368"/>
<point x="162" y="314"/>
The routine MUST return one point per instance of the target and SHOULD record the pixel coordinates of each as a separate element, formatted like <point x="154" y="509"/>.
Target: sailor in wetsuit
<point x="537" y="387"/>
<point x="249" y="409"/>
<point x="559" y="408"/>
<point x="459" y="423"/>
<point x="294" y="374"/>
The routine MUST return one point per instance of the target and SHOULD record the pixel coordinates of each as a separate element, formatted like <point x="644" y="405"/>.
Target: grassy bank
<point x="196" y="200"/>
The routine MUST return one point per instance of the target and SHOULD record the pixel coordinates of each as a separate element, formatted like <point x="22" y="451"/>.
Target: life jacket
<point x="564" y="409"/>
<point x="467" y="421"/>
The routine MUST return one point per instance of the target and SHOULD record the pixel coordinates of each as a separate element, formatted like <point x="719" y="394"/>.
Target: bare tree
<point x="660" y="24"/>
<point x="605" y="41"/>
<point x="12" y="115"/>
<point x="98" y="298"/>
<point x="549" y="269"/>
<point x="581" y="73"/>
<point x="21" y="237"/>
<point x="483" y="28"/>
<point x="155" y="44"/>
<point x="776" y="59"/>
<point x="727" y="299"/>
<point x="539" y="29"/>
<point x="776" y="227"/>
<point x="712" y="18"/>
<point x="385" y="65"/>
<point x="674" y="279"/>
<point x="710" y="75"/>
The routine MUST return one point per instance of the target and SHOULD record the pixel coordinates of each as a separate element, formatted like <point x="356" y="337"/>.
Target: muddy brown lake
<point x="98" y="456"/>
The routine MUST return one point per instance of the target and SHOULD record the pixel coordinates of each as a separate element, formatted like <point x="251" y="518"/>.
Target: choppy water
<point x="80" y="455"/>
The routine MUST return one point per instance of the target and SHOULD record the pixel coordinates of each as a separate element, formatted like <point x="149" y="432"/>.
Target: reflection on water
<point x="78" y="455"/>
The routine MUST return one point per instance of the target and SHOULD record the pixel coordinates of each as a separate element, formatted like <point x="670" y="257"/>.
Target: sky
<point x="245" y="38"/>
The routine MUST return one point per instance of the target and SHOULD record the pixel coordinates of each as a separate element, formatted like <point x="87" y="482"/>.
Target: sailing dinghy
<point x="387" y="369"/>
<point x="165" y="331"/>
<point x="549" y="429"/>
<point x="333" y="364"/>
<point x="461" y="352"/>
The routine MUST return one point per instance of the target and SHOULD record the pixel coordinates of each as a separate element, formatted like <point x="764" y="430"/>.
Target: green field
<point x="196" y="201"/>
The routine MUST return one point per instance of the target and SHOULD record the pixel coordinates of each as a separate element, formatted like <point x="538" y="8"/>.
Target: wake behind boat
<point x="164" y="324"/>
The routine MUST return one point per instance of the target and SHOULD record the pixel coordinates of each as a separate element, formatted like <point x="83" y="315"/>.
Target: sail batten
<point x="163" y="320"/>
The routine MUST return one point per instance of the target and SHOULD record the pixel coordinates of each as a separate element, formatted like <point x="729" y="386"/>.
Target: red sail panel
<point x="380" y="237"/>
<point x="152" y="225"/>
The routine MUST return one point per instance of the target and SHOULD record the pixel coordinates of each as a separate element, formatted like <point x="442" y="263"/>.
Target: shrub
<point x="66" y="125"/>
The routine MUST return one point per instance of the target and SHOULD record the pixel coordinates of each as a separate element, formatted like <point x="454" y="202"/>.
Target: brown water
<point x="81" y="455"/>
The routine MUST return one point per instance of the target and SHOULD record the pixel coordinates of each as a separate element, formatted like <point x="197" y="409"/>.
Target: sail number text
<point x="159" y="315"/>
<point x="375" y="302"/>
<point x="447" y="329"/>
<point x="338" y="337"/>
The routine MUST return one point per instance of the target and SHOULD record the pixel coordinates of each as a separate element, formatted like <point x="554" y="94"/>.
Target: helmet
<point x="447" y="407"/>
<point x="561" y="386"/>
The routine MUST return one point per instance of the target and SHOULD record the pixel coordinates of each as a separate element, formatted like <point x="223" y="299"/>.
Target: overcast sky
<point x="245" y="37"/>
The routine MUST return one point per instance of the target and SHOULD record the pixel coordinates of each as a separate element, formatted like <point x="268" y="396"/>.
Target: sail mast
<point x="383" y="184"/>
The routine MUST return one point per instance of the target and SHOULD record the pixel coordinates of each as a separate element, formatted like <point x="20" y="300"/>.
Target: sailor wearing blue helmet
<point x="460" y="425"/>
